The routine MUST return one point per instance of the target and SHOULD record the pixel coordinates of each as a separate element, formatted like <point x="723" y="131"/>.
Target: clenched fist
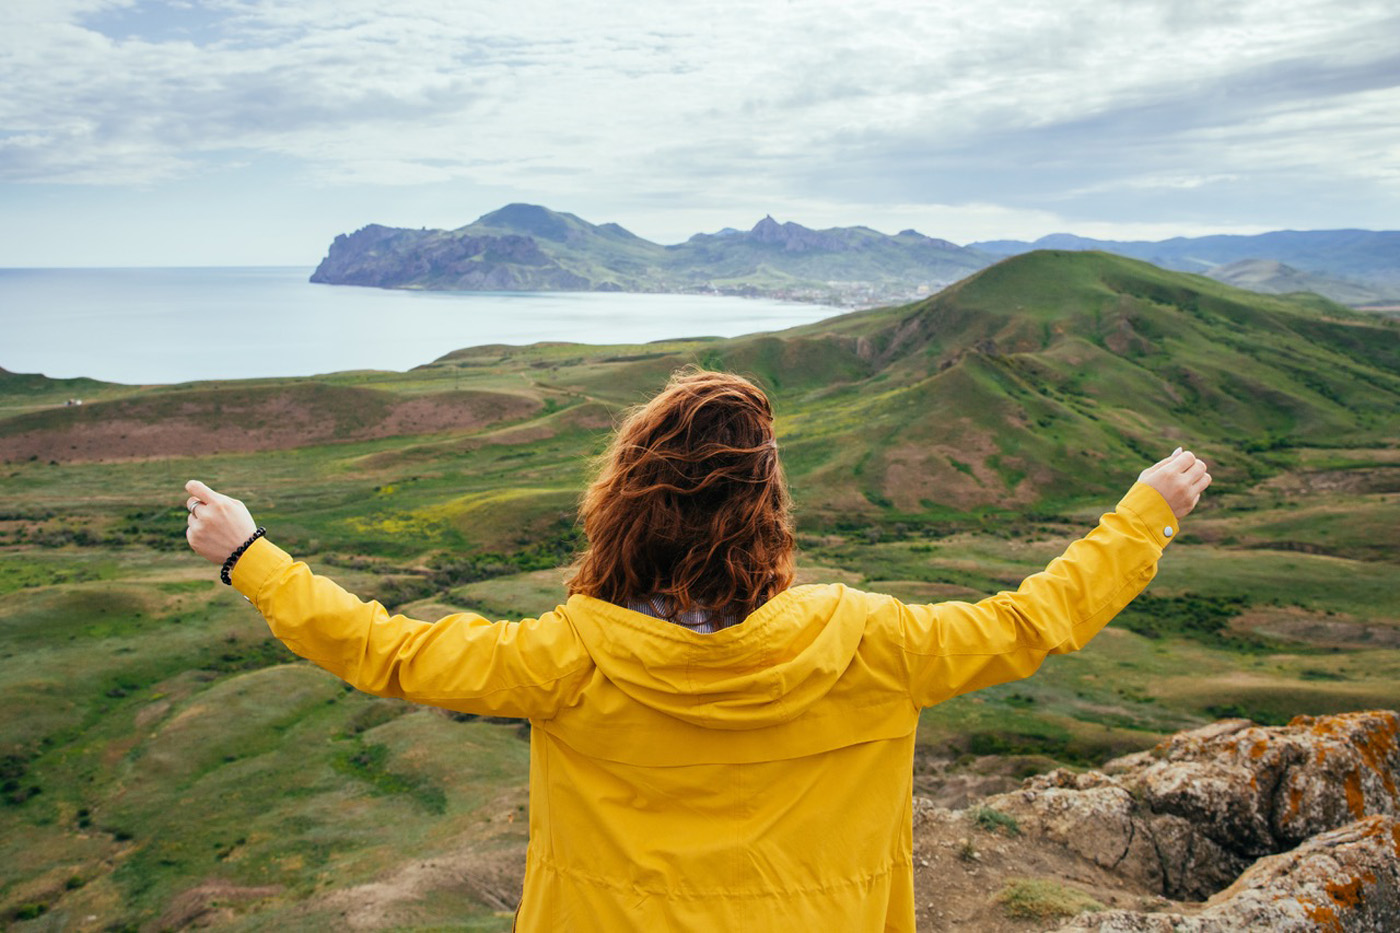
<point x="218" y="524"/>
<point x="1181" y="478"/>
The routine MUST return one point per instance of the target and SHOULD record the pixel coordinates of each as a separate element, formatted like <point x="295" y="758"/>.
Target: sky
<point x="251" y="132"/>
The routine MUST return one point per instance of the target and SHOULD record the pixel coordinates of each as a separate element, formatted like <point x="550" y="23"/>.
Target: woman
<point x="712" y="748"/>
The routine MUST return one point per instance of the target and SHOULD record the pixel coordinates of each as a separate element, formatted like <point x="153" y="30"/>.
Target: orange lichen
<point x="1377" y="748"/>
<point x="1258" y="749"/>
<point x="1348" y="894"/>
<point x="1356" y="800"/>
<point x="1326" y="725"/>
<point x="1294" y="802"/>
<point x="1325" y="917"/>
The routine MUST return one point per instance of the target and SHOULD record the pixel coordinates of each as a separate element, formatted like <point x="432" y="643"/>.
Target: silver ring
<point x="194" y="505"/>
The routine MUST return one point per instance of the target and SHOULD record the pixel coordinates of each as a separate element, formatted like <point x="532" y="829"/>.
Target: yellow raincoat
<point x="756" y="778"/>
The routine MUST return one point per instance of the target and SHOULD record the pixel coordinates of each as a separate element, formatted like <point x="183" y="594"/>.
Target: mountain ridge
<point x="1348" y="261"/>
<point x="528" y="247"/>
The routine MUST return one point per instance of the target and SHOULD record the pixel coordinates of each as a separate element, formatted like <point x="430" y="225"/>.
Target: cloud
<point x="1070" y="109"/>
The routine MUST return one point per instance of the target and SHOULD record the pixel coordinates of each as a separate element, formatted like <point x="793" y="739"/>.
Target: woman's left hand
<point x="218" y="524"/>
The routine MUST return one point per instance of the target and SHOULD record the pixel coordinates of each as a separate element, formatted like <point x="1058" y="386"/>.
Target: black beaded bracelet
<point x="233" y="558"/>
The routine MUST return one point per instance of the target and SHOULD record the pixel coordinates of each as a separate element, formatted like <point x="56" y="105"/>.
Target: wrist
<point x="237" y="553"/>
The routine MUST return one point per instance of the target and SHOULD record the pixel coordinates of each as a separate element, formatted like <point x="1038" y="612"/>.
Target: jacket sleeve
<point x="462" y="662"/>
<point x="956" y="647"/>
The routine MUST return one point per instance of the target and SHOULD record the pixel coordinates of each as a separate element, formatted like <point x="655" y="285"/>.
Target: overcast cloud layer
<point x="278" y="124"/>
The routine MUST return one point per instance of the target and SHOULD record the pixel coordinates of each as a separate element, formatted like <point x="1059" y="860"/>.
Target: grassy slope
<point x="941" y="450"/>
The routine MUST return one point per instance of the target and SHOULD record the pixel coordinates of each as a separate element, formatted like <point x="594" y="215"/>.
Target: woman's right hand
<point x="218" y="524"/>
<point x="1180" y="478"/>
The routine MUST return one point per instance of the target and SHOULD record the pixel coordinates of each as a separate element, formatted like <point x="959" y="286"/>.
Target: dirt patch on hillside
<point x="1317" y="628"/>
<point x="245" y="420"/>
<point x="210" y="903"/>
<point x="590" y="416"/>
<point x="488" y="868"/>
<point x="953" y="474"/>
<point x="1358" y="481"/>
<point x="965" y="470"/>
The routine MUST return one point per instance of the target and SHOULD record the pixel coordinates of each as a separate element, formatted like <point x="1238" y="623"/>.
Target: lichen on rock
<point x="1187" y="817"/>
<point x="1340" y="881"/>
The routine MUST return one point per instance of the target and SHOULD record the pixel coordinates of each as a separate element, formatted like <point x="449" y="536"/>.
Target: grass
<point x="994" y="821"/>
<point x="1040" y="899"/>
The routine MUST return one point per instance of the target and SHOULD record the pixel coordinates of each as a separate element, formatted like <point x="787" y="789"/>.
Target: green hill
<point x="163" y="764"/>
<point x="1041" y="379"/>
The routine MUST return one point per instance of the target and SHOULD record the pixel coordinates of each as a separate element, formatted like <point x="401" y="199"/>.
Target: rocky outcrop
<point x="1188" y="816"/>
<point x="1347" y="879"/>
<point x="1288" y="828"/>
<point x="387" y="257"/>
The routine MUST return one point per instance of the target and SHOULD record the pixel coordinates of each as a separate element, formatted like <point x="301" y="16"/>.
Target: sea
<point x="160" y="326"/>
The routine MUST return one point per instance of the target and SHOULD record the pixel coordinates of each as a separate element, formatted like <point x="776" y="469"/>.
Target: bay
<point x="149" y="326"/>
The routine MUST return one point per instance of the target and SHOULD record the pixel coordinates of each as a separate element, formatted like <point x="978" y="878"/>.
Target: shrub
<point x="1205" y="619"/>
<point x="1038" y="899"/>
<point x="995" y="821"/>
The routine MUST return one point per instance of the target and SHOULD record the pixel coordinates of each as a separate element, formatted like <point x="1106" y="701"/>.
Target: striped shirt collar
<point x="699" y="619"/>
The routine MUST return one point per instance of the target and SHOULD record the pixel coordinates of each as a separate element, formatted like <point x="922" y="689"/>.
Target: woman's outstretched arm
<point x="462" y="662"/>
<point x="956" y="647"/>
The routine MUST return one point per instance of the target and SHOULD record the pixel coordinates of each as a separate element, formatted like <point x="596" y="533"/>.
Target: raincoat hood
<point x="764" y="671"/>
<point x="779" y="684"/>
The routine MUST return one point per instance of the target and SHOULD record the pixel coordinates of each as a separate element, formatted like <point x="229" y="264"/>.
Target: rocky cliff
<point x="386" y="257"/>
<point x="1229" y="827"/>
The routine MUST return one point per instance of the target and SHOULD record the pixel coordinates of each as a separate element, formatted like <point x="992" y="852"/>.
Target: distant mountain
<point x="520" y="247"/>
<point x="1274" y="278"/>
<point x="837" y="255"/>
<point x="525" y="247"/>
<point x="1367" y="260"/>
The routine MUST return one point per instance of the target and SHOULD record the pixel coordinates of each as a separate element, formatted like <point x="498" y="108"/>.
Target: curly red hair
<point x="690" y="503"/>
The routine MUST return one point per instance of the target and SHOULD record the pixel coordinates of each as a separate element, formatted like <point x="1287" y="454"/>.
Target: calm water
<point x="177" y="325"/>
